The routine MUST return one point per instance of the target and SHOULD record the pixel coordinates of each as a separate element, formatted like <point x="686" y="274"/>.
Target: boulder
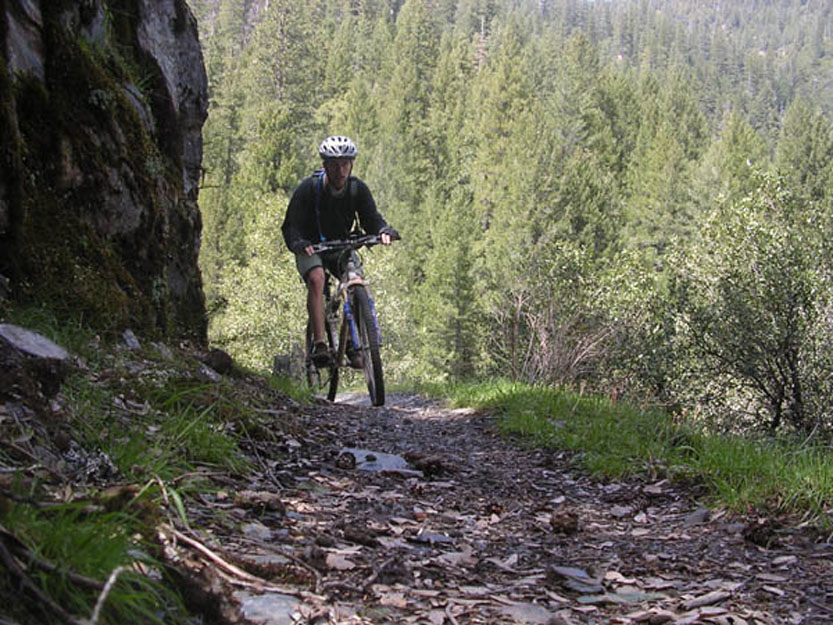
<point x="31" y="366"/>
<point x="101" y="114"/>
<point x="220" y="361"/>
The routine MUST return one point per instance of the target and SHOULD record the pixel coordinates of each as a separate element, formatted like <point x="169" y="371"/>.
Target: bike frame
<point x="348" y="279"/>
<point x="352" y="293"/>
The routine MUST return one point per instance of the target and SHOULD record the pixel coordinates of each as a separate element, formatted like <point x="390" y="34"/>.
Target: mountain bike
<point x="350" y="321"/>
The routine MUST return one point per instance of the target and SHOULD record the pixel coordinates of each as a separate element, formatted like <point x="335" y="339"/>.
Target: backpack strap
<point x="317" y="189"/>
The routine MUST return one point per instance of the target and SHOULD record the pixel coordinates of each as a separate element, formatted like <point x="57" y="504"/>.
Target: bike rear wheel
<point x="322" y="379"/>
<point x="369" y="338"/>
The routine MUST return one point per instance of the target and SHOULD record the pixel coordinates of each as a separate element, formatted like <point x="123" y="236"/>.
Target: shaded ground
<point x="477" y="529"/>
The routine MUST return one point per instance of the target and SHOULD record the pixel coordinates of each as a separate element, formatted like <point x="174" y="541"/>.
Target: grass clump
<point x="65" y="329"/>
<point x="71" y="549"/>
<point x="167" y="428"/>
<point x="289" y="386"/>
<point x="126" y="444"/>
<point x="615" y="439"/>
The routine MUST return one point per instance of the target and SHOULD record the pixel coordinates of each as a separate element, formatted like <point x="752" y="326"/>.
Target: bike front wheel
<point x="368" y="332"/>
<point x="321" y="379"/>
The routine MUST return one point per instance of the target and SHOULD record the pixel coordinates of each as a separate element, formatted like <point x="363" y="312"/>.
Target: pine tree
<point x="670" y="139"/>
<point x="730" y="168"/>
<point x="405" y="151"/>
<point x="224" y="35"/>
<point x="447" y="312"/>
<point x="804" y="155"/>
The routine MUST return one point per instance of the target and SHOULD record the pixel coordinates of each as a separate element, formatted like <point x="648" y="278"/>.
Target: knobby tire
<point x="369" y="339"/>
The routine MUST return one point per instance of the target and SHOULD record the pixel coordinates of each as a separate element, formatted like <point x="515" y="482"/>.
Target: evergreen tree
<point x="448" y="311"/>
<point x="405" y="159"/>
<point x="224" y="34"/>
<point x="730" y="168"/>
<point x="671" y="136"/>
<point x="516" y="145"/>
<point x="805" y="151"/>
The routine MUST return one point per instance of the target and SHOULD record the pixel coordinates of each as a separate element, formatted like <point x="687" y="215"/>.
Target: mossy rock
<point x="97" y="217"/>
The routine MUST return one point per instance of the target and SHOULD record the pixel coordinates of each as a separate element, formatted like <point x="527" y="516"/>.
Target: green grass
<point x="67" y="330"/>
<point x="299" y="391"/>
<point x="186" y="424"/>
<point x="614" y="439"/>
<point x="77" y="541"/>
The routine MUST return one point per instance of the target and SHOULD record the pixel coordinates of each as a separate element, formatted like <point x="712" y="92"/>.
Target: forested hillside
<point x="627" y="196"/>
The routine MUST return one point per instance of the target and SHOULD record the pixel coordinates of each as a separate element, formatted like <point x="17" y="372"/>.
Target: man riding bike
<point x="324" y="207"/>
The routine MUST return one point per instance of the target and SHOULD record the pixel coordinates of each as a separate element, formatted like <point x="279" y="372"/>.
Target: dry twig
<point x="226" y="569"/>
<point x="450" y="616"/>
<point x="103" y="596"/>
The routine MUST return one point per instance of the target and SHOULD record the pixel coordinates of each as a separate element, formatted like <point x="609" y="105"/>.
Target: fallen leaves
<point x="498" y="539"/>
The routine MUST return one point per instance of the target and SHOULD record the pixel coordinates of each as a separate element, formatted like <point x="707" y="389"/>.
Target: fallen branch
<point x="22" y="552"/>
<point x="238" y="575"/>
<point x="19" y="470"/>
<point x="365" y="588"/>
<point x="821" y="606"/>
<point x="261" y="586"/>
<point x="207" y="474"/>
<point x="30" y="456"/>
<point x="711" y="598"/>
<point x="228" y="566"/>
<point x="103" y="596"/>
<point x="450" y="615"/>
<point x="20" y="498"/>
<point x="370" y="580"/>
<point x="285" y="554"/>
<point x="345" y="586"/>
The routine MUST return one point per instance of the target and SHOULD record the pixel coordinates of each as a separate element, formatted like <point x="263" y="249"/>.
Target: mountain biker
<point x="324" y="207"/>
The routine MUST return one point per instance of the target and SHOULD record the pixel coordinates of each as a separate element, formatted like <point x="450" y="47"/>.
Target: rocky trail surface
<point x="416" y="513"/>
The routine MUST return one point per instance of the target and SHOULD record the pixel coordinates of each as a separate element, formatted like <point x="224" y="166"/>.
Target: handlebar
<point x="352" y="242"/>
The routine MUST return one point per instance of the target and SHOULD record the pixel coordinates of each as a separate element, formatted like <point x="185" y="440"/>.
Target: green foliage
<point x="805" y="152"/>
<point x="145" y="424"/>
<point x="265" y="311"/>
<point x="182" y="428"/>
<point x="92" y="545"/>
<point x="548" y="164"/>
<point x="752" y="301"/>
<point x="729" y="169"/>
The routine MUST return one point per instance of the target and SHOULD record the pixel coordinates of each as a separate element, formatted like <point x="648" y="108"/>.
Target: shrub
<point x="751" y="300"/>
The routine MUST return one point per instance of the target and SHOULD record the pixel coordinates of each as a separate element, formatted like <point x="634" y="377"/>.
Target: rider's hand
<point x="385" y="237"/>
<point x="309" y="250"/>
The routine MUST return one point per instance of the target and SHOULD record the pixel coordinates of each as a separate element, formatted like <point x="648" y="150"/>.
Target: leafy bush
<point x="751" y="300"/>
<point x="264" y="313"/>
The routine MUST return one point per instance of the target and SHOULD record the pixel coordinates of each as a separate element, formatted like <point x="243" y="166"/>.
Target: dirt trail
<point x="477" y="529"/>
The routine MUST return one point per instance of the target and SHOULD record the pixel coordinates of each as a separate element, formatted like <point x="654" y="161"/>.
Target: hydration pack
<point x="318" y="189"/>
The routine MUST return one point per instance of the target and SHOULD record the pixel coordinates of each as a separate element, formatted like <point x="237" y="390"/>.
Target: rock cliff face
<point x="101" y="109"/>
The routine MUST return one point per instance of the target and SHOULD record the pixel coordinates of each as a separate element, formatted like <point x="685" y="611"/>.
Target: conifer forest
<point x="627" y="197"/>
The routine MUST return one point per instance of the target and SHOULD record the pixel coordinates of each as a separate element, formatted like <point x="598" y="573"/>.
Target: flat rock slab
<point x="31" y="365"/>
<point x="375" y="461"/>
<point x="31" y="343"/>
<point x="268" y="608"/>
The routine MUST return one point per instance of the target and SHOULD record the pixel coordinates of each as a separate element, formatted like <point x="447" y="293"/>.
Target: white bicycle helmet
<point x="337" y="147"/>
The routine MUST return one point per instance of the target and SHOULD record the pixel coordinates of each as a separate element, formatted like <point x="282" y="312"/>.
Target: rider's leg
<point x="315" y="302"/>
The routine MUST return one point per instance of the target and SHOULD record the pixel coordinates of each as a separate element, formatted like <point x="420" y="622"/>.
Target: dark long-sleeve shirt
<point x="336" y="215"/>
